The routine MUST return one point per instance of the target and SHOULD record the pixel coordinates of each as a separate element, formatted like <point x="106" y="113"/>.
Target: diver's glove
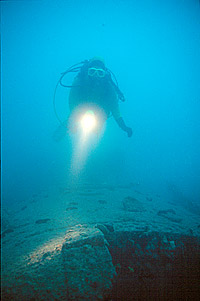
<point x="129" y="132"/>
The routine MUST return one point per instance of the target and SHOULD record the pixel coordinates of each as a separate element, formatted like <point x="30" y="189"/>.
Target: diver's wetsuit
<point x="99" y="95"/>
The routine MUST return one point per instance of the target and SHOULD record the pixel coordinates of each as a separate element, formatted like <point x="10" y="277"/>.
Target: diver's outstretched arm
<point x="123" y="126"/>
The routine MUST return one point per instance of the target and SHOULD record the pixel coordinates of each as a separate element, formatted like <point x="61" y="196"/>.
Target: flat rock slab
<point x="132" y="204"/>
<point x="77" y="268"/>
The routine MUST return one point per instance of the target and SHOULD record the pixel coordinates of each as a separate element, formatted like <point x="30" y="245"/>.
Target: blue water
<point x="153" y="49"/>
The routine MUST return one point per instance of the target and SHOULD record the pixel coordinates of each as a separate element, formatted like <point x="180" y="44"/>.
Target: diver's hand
<point x="123" y="126"/>
<point x="129" y="132"/>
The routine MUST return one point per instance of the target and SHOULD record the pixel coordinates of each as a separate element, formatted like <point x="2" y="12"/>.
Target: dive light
<point x="88" y="121"/>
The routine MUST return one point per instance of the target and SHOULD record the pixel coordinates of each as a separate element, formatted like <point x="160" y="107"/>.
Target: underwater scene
<point x="100" y="150"/>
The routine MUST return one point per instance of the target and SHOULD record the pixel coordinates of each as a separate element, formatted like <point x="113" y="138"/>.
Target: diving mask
<point x="96" y="72"/>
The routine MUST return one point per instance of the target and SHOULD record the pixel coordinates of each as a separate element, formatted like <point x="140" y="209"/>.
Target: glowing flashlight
<point x="88" y="121"/>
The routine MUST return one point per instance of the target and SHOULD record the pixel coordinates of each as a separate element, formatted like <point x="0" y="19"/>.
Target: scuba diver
<point x="95" y="94"/>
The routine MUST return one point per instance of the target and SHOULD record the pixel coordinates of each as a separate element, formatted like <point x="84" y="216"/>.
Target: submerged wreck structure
<point x="97" y="248"/>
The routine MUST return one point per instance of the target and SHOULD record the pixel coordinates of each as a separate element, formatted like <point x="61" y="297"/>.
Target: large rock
<point x="88" y="266"/>
<point x="99" y="263"/>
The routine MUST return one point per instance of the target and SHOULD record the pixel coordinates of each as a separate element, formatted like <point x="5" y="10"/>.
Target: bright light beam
<point x="85" y="142"/>
<point x="88" y="122"/>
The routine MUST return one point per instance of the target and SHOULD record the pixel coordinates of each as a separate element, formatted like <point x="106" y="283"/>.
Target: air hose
<point x="73" y="68"/>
